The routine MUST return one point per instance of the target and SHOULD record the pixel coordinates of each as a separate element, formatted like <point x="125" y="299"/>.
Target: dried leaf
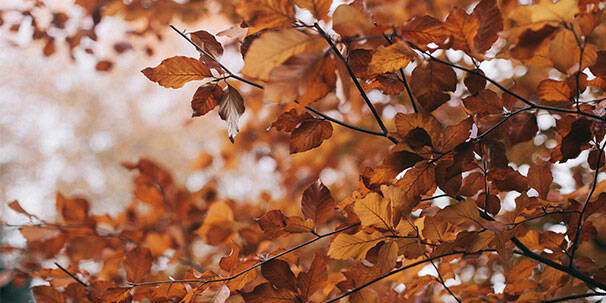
<point x="391" y="58"/>
<point x="349" y="21"/>
<point x="263" y="14"/>
<point x="137" y="264"/>
<point x="540" y="177"/>
<point x="317" y="203"/>
<point x="318" y="8"/>
<point x="374" y="210"/>
<point x="174" y="72"/>
<point x="346" y="246"/>
<point x="430" y="81"/>
<point x="205" y="99"/>
<point x="309" y="134"/>
<point x="231" y="107"/>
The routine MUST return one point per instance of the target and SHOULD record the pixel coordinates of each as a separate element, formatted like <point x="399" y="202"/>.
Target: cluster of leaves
<point x="456" y="134"/>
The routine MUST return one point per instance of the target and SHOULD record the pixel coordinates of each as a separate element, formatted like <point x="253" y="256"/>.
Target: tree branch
<point x="71" y="275"/>
<point x="403" y="78"/>
<point x="318" y="237"/>
<point x="353" y="78"/>
<point x="259" y="86"/>
<point x="575" y="242"/>
<point x="501" y="87"/>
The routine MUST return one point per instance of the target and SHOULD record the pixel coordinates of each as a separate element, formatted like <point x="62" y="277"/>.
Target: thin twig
<point x="71" y="275"/>
<point x="318" y="237"/>
<point x="545" y="214"/>
<point x="353" y="78"/>
<point x="393" y="272"/>
<point x="403" y="77"/>
<point x="575" y="242"/>
<point x="441" y="279"/>
<point x="501" y="87"/>
<point x="259" y="86"/>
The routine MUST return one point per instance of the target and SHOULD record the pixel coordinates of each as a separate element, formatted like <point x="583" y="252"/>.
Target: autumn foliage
<point x="443" y="122"/>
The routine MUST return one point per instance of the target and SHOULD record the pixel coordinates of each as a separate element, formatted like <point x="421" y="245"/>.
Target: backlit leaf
<point x="346" y="246"/>
<point x="391" y="58"/>
<point x="137" y="264"/>
<point x="317" y="203"/>
<point x="430" y="82"/>
<point x="174" y="72"/>
<point x="318" y="8"/>
<point x="205" y="99"/>
<point x="463" y="29"/>
<point x="309" y="134"/>
<point x="262" y="14"/>
<point x="374" y="210"/>
<point x="540" y="177"/>
<point x="273" y="48"/>
<point x="349" y="21"/>
<point x="231" y="107"/>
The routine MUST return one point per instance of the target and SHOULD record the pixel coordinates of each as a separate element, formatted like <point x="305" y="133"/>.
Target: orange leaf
<point x="346" y="246"/>
<point x="490" y="24"/>
<point x="391" y="58"/>
<point x="317" y="203"/>
<point x="540" y="177"/>
<point x="262" y="14"/>
<point x="265" y="293"/>
<point x="349" y="21"/>
<point x="137" y="264"/>
<point x="278" y="273"/>
<point x="318" y="8"/>
<point x="463" y="28"/>
<point x="174" y="72"/>
<point x="424" y="30"/>
<point x="205" y="99"/>
<point x="430" y="81"/>
<point x="310" y="134"/>
<point x="17" y="207"/>
<point x="554" y="91"/>
<point x="312" y="280"/>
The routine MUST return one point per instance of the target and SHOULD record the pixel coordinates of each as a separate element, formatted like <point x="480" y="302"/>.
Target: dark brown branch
<point x="71" y="275"/>
<point x="441" y="280"/>
<point x="595" y="294"/>
<point x="501" y="87"/>
<point x="575" y="242"/>
<point x="259" y="86"/>
<point x="545" y="214"/>
<point x="353" y="78"/>
<point x="391" y="273"/>
<point x="318" y="237"/>
<point x="403" y="77"/>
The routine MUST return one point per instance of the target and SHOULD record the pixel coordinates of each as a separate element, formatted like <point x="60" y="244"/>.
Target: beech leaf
<point x="231" y="107"/>
<point x="174" y="72"/>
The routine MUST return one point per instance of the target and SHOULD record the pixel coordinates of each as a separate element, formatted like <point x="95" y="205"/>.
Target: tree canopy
<point x="415" y="143"/>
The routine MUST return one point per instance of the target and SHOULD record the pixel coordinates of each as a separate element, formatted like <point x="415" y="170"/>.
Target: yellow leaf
<point x="262" y="14"/>
<point x="374" y="210"/>
<point x="356" y="246"/>
<point x="274" y="48"/>
<point x="391" y="58"/>
<point x="176" y="71"/>
<point x="545" y="11"/>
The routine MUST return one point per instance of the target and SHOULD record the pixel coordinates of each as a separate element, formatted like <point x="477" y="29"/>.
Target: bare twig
<point x="441" y="280"/>
<point x="318" y="237"/>
<point x="71" y="275"/>
<point x="575" y="241"/>
<point x="353" y="77"/>
<point x="259" y="86"/>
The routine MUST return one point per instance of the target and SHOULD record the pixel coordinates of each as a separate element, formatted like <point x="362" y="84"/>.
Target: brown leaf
<point x="264" y="14"/>
<point x="490" y="24"/>
<point x="17" y="207"/>
<point x="418" y="129"/>
<point x="430" y="81"/>
<point x="74" y="210"/>
<point x="577" y="138"/>
<point x="483" y="102"/>
<point x="522" y="127"/>
<point x="424" y="30"/>
<point x="287" y="121"/>
<point x="296" y="224"/>
<point x="278" y="273"/>
<point x="540" y="177"/>
<point x="174" y="72"/>
<point x="310" y="134"/>
<point x="474" y="83"/>
<point x="391" y="58"/>
<point x="273" y="48"/>
<point x="47" y="294"/>
<point x="273" y="224"/>
<point x="346" y="246"/>
<point x="231" y="107"/>
<point x="265" y="293"/>
<point x="508" y="179"/>
<point x="463" y="29"/>
<point x="104" y="66"/>
<point x="312" y="280"/>
<point x="205" y="99"/>
<point x="418" y="181"/>
<point x="318" y="8"/>
<point x="595" y="160"/>
<point x="317" y="203"/>
<point x="306" y="77"/>
<point x="555" y="91"/>
<point x="454" y="135"/>
<point x="457" y="213"/>
<point x="599" y="68"/>
<point x="473" y="183"/>
<point x="349" y="21"/>
<point x="137" y="264"/>
<point x="490" y="203"/>
<point x="564" y="51"/>
<point x="207" y="42"/>
<point x="374" y="210"/>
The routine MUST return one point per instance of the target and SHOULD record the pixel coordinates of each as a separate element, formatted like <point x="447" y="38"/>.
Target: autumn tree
<point x="443" y="122"/>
